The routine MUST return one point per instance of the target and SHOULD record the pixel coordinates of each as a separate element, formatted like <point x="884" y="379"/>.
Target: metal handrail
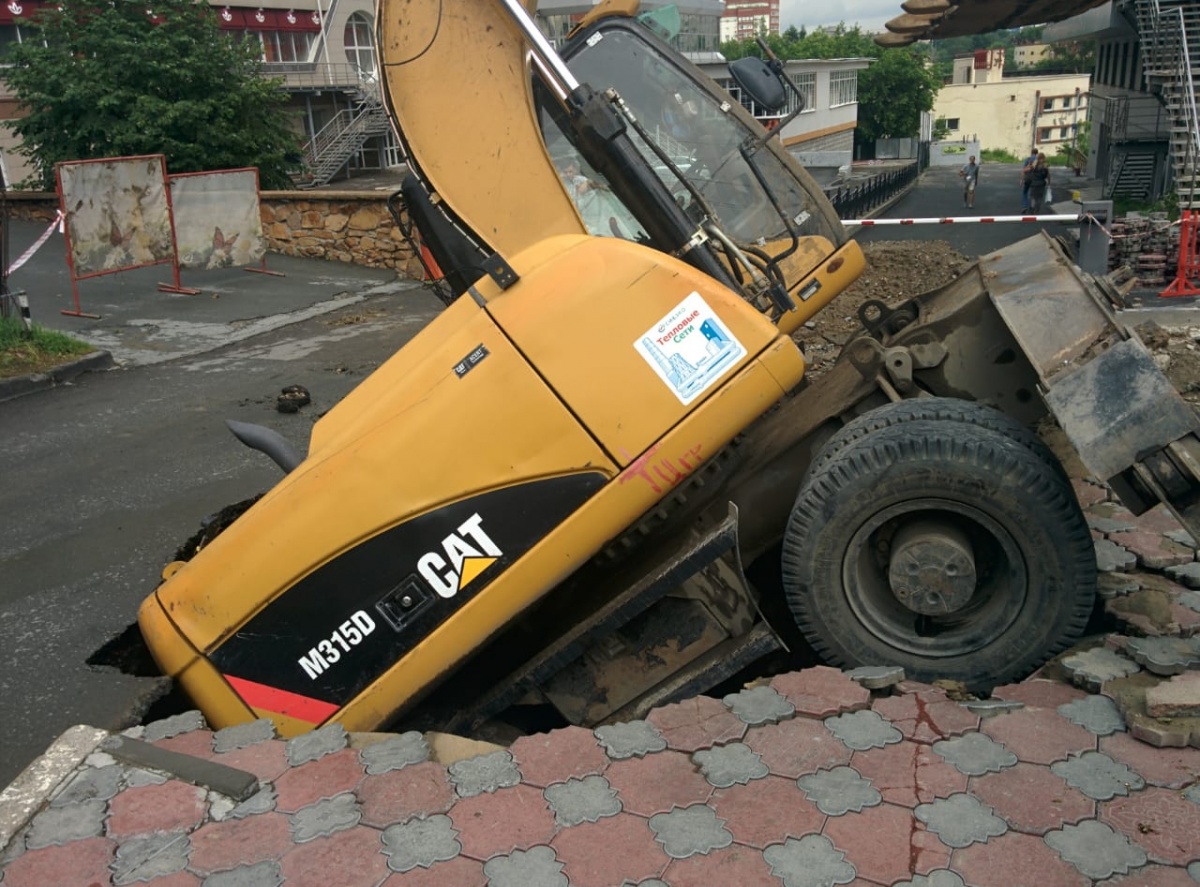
<point x="1169" y="56"/>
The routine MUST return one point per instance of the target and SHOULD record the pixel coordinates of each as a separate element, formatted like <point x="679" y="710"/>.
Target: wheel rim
<point x="1000" y="589"/>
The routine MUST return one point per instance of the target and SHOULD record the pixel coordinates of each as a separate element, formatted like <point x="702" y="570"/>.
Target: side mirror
<point x="757" y="80"/>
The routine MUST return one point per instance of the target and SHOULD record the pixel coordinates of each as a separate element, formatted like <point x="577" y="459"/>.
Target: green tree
<point x="114" y="79"/>
<point x="892" y="93"/>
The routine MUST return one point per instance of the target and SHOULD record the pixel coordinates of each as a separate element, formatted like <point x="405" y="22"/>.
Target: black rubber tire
<point x="949" y="409"/>
<point x="1034" y="558"/>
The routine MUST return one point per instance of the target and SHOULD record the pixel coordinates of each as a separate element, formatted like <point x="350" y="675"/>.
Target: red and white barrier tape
<point x="37" y="244"/>
<point x="962" y="220"/>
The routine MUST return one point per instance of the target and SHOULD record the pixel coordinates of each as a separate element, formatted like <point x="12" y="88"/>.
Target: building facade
<point x="747" y="19"/>
<point x="698" y="24"/>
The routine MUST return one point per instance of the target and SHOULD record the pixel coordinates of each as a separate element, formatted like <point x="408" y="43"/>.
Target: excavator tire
<point x="950" y="409"/>
<point x="948" y="548"/>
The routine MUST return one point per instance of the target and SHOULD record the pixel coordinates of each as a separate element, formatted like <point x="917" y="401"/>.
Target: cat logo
<point x="468" y="553"/>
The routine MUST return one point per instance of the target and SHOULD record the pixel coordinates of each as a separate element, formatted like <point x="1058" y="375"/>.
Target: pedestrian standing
<point x="1039" y="185"/>
<point x="1026" y="170"/>
<point x="970" y="176"/>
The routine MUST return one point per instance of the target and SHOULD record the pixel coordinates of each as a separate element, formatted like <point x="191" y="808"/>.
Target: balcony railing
<point x="318" y="75"/>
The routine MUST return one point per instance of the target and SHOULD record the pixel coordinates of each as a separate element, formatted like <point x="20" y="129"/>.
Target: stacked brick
<point x="1147" y="244"/>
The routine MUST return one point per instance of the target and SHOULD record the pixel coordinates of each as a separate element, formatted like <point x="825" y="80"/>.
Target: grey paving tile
<point x="262" y="801"/>
<point x="649" y="882"/>
<point x="56" y="826"/>
<point x="811" y="861"/>
<point x="1182" y="537"/>
<point x="1166" y="656"/>
<point x="730" y="764"/>
<point x="243" y="735"/>
<point x="689" y="831"/>
<point x="1114" y="585"/>
<point x="135" y="776"/>
<point x="839" y="791"/>
<point x="876" y="677"/>
<point x="485" y="773"/>
<point x="1186" y="574"/>
<point x="938" y="878"/>
<point x="395" y="753"/>
<point x="420" y="842"/>
<point x="1098" y="776"/>
<point x="975" y="754"/>
<point x="759" y="705"/>
<point x="1095" y="849"/>
<point x="535" y="867"/>
<point x="90" y="784"/>
<point x="989" y="708"/>
<point x="1193" y="793"/>
<point x="317" y="744"/>
<point x="261" y="874"/>
<point x="1111" y="557"/>
<point x="173" y="726"/>
<point x="861" y="730"/>
<point x="325" y="817"/>
<point x="1096" y="714"/>
<point x="1193" y="871"/>
<point x="960" y="820"/>
<point x="582" y="800"/>
<point x="1109" y="525"/>
<point x="154" y="856"/>
<point x="1093" y="668"/>
<point x="1190" y="599"/>
<point x="633" y="739"/>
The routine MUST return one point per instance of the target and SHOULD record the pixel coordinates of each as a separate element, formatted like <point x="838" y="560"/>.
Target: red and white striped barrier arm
<point x="962" y="220"/>
<point x="37" y="244"/>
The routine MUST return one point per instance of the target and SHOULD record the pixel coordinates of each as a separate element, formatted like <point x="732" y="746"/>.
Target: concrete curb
<point x="38" y="783"/>
<point x="22" y="385"/>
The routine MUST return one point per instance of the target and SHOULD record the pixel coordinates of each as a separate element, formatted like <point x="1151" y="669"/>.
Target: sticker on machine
<point x="690" y="348"/>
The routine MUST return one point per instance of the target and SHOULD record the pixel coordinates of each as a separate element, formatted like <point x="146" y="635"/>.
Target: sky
<point x="869" y="14"/>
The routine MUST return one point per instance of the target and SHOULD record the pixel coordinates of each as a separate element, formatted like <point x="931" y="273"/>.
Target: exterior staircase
<point x="344" y="135"/>
<point x="1169" y="38"/>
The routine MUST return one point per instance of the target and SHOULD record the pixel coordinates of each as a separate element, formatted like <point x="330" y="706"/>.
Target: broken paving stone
<point x="1129" y="694"/>
<point x="876" y="677"/>
<point x="1190" y="599"/>
<point x="989" y="708"/>
<point x="1113" y="558"/>
<point x="1111" y="585"/>
<point x="1165" y="656"/>
<point x="1186" y="574"/>
<point x="1108" y="525"/>
<point x="1181" y="537"/>
<point x="1154" y="550"/>
<point x="1176" y="698"/>
<point x="1092" y="669"/>
<point x="1147" y="611"/>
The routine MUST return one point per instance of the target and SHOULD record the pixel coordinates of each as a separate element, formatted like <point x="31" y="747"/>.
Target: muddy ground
<point x="899" y="270"/>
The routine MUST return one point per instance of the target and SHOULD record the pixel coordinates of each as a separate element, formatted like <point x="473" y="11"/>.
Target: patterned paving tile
<point x="394" y="797"/>
<point x="395" y="753"/>
<point x="908" y="773"/>
<point x="885" y="844"/>
<point x="1032" y="799"/>
<point x="960" y="820"/>
<point x="217" y="846"/>
<point x="629" y="740"/>
<point x="924" y="719"/>
<point x="860" y="730"/>
<point x="1096" y="714"/>
<point x="730" y="765"/>
<point x="485" y="773"/>
<point x="457" y="872"/>
<point x="1038" y="693"/>
<point x="492" y="824"/>
<point x="420" y="842"/>
<point x="1093" y="668"/>
<point x="1098" y="776"/>
<point x="759" y="705"/>
<point x="536" y="867"/>
<point x="1015" y="859"/>
<point x="731" y="866"/>
<point x="351" y="858"/>
<point x="593" y="860"/>
<point x="546" y="758"/>
<point x="56" y="826"/>
<point x="243" y="735"/>
<point x="171" y="806"/>
<point x="93" y="783"/>
<point x="657" y="783"/>
<point x="939" y="878"/>
<point x="821" y="692"/>
<point x="1161" y="821"/>
<point x="82" y="862"/>
<point x="149" y="857"/>
<point x="811" y="861"/>
<point x="797" y="747"/>
<point x="316" y="744"/>
<point x="1096" y="850"/>
<point x="690" y="831"/>
<point x="1165" y="767"/>
<point x="325" y="818"/>
<point x="792" y="814"/>
<point x="1039" y="736"/>
<point x="330" y="774"/>
<point x="839" y="791"/>
<point x="185" y="722"/>
<point x="975" y="754"/>
<point x="266" y="760"/>
<point x="582" y="800"/>
<point x="262" y="874"/>
<point x="697" y="723"/>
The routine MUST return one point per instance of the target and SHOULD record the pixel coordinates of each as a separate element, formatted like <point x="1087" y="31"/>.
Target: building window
<point x="807" y="85"/>
<point x="1062" y="132"/>
<point x="843" y="88"/>
<point x="360" y="43"/>
<point x="284" y="46"/>
<point x="1067" y="102"/>
<point x="952" y="124"/>
<point x="1044" y="135"/>
<point x="1047" y="105"/>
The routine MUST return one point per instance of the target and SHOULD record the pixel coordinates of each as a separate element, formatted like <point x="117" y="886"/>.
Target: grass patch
<point x="998" y="155"/>
<point x="34" y="351"/>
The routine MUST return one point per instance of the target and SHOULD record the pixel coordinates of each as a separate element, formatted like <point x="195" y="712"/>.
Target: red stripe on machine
<point x="282" y="702"/>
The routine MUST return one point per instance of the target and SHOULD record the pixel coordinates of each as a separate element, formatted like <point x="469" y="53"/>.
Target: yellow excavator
<point x="599" y="481"/>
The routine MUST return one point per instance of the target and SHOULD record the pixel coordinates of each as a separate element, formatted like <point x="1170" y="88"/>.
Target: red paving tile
<point x="614" y="850"/>
<point x="908" y="773"/>
<point x="82" y="863"/>
<point x="1032" y="799"/>
<point x="329" y="776"/>
<point x="734" y="865"/>
<point x="886" y="844"/>
<point x="179" y="879"/>
<point x="354" y="855"/>
<point x="1038" y="735"/>
<point x="923" y="720"/>
<point x="547" y="758"/>
<point x="1154" y="876"/>
<point x="797" y="747"/>
<point x="225" y="845"/>
<point x="657" y="783"/>
<point x="1015" y="860"/>
<point x="697" y="723"/>
<point x="1165" y="767"/>
<point x="170" y="806"/>
<point x="398" y="795"/>
<point x="1039" y="694"/>
<point x="1088" y="493"/>
<point x="792" y="815"/>
<point x="197" y="743"/>
<point x="266" y="760"/>
<point x="1153" y="549"/>
<point x="821" y="691"/>
<point x="1163" y="822"/>
<point x="496" y="823"/>
<point x="457" y="872"/>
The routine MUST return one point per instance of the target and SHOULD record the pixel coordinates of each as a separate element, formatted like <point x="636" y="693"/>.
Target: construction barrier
<point x="37" y="244"/>
<point x="1188" y="269"/>
<point x="964" y="220"/>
